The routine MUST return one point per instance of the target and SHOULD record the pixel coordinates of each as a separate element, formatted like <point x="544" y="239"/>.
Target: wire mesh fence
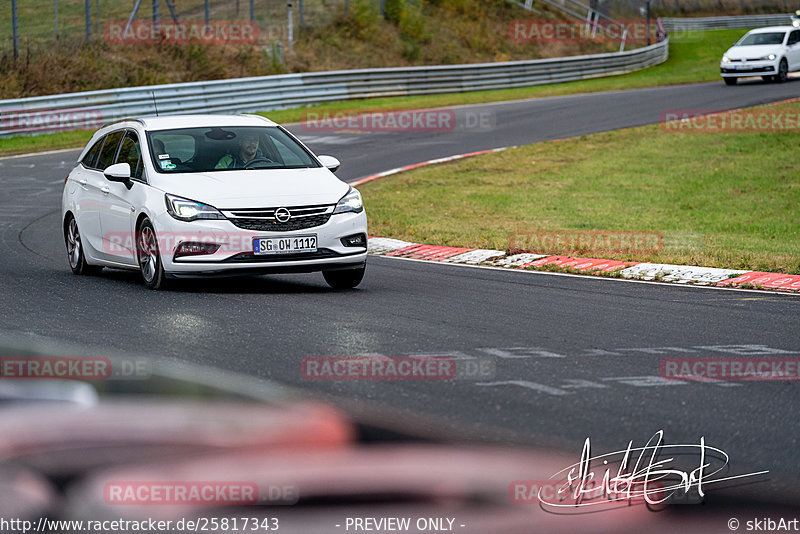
<point x="49" y="22"/>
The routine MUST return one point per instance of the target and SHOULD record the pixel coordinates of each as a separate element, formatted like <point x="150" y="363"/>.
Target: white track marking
<point x="475" y="256"/>
<point x="682" y="274"/>
<point x="527" y="385"/>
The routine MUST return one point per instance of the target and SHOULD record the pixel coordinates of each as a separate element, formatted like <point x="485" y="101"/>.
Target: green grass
<point x="38" y="143"/>
<point x="693" y="58"/>
<point x="719" y="200"/>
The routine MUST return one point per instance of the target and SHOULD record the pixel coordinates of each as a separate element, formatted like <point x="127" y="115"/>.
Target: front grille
<point x="271" y="225"/>
<point x="264" y="220"/>
<point x="269" y="213"/>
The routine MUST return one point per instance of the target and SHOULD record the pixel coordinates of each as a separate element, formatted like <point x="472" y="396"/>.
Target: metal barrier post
<point x="15" y="29"/>
<point x="87" y="7"/>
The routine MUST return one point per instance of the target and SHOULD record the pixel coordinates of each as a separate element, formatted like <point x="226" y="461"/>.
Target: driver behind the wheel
<point x="246" y="151"/>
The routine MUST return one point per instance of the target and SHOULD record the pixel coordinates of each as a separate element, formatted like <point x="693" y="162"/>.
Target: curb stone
<point x="680" y="274"/>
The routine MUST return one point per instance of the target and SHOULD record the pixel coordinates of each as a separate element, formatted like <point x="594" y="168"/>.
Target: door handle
<point x="82" y="182"/>
<point x="105" y="190"/>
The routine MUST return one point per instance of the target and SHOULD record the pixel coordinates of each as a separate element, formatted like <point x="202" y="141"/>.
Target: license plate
<point x="284" y="245"/>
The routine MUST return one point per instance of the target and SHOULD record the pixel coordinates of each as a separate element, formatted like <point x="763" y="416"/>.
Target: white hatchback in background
<point x="204" y="195"/>
<point x="771" y="53"/>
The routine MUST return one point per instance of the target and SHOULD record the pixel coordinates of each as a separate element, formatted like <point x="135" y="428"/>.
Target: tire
<point x="783" y="71"/>
<point x="149" y="256"/>
<point x="77" y="260"/>
<point x="346" y="278"/>
<point x="730" y="81"/>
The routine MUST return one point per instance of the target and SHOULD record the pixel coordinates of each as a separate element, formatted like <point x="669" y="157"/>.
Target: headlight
<point x="767" y="58"/>
<point x="189" y="210"/>
<point x="726" y="59"/>
<point x="350" y="202"/>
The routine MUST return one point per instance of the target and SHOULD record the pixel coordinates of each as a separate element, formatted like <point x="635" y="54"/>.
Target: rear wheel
<point x="730" y="81"/>
<point x="77" y="261"/>
<point x="783" y="71"/>
<point x="345" y="278"/>
<point x="149" y="256"/>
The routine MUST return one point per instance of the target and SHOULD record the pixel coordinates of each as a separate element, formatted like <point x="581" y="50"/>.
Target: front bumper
<point x="750" y="68"/>
<point x="234" y="254"/>
<point x="278" y="267"/>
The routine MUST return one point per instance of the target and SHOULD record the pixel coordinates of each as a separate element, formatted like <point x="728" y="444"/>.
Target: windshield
<point x="218" y="149"/>
<point x="772" y="38"/>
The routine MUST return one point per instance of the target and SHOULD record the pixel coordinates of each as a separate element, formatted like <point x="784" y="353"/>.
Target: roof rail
<point x="127" y="119"/>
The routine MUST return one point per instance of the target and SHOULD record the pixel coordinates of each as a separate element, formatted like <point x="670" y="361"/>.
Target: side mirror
<point x="119" y="172"/>
<point x="330" y="162"/>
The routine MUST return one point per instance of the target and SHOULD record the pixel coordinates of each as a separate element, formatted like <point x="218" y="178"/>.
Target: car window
<point x="766" y="38"/>
<point x="130" y="153"/>
<point x="215" y="149"/>
<point x="90" y="159"/>
<point x="794" y="37"/>
<point x="166" y="145"/>
<point x="109" y="149"/>
<point x="288" y="154"/>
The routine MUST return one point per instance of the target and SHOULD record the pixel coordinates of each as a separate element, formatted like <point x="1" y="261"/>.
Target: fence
<point x="88" y="109"/>
<point x="52" y="21"/>
<point x="719" y="23"/>
<point x="730" y="7"/>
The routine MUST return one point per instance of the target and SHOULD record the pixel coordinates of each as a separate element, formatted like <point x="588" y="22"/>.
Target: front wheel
<point x="77" y="261"/>
<point x="149" y="256"/>
<point x="345" y="278"/>
<point x="730" y="81"/>
<point x="783" y="71"/>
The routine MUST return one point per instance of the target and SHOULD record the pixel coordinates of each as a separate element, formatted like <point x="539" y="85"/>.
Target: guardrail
<point x="89" y="109"/>
<point x="722" y="23"/>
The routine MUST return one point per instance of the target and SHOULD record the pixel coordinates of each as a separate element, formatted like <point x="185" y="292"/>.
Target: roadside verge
<point x="679" y="274"/>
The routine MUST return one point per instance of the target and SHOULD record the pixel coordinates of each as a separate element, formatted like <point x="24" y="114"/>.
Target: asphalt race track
<point x="574" y="356"/>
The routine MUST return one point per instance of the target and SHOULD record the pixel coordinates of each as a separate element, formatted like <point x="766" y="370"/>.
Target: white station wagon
<point x="204" y="195"/>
